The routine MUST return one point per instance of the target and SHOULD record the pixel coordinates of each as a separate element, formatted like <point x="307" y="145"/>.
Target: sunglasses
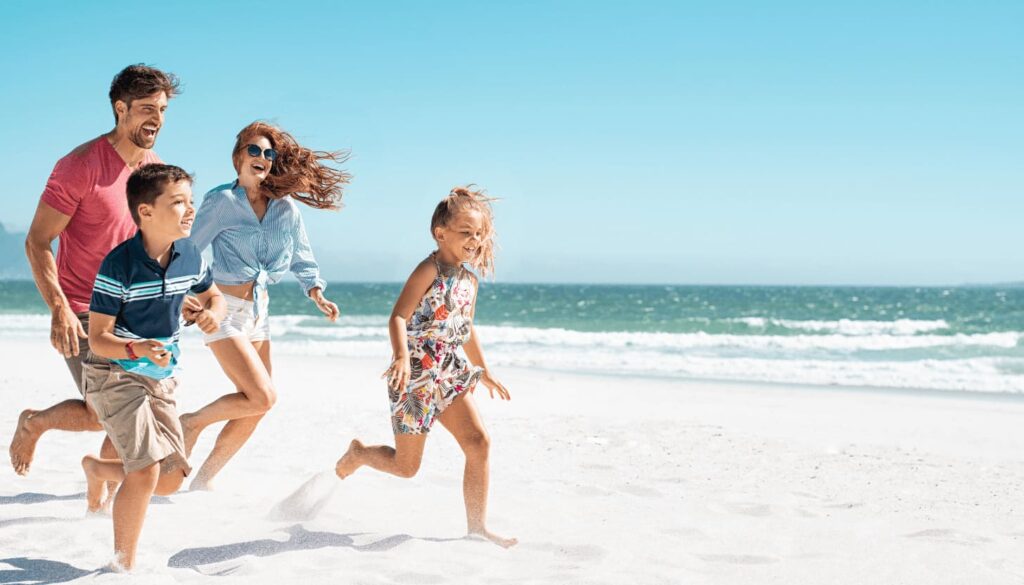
<point x="255" y="151"/>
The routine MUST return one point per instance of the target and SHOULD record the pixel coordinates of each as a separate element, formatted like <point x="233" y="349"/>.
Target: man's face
<point x="171" y="214"/>
<point x="143" y="119"/>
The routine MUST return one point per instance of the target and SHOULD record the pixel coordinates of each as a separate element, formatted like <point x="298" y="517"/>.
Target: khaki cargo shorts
<point x="138" y="414"/>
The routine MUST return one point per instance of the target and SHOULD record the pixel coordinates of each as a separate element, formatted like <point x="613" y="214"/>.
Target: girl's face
<point x="254" y="169"/>
<point x="460" y="240"/>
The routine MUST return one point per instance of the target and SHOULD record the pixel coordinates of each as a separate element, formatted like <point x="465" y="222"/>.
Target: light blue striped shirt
<point x="246" y="249"/>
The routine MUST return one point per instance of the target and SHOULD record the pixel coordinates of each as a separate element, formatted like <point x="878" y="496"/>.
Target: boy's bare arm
<point x="103" y="342"/>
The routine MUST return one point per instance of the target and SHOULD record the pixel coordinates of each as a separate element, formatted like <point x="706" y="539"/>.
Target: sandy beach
<point x="602" y="479"/>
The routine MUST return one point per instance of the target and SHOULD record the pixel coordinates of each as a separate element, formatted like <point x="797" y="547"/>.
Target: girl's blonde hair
<point x="462" y="199"/>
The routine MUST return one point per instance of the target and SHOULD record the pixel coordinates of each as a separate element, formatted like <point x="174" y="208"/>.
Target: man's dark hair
<point x="148" y="182"/>
<point x="138" y="81"/>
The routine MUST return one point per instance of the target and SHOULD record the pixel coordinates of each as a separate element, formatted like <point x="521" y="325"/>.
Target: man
<point x="84" y="205"/>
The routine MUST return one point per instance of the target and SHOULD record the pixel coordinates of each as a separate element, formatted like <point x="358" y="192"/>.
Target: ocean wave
<point x="848" y="326"/>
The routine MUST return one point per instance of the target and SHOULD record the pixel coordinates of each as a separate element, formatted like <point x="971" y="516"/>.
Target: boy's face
<point x="171" y="214"/>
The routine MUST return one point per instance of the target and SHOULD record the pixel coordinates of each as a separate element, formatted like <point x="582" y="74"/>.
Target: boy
<point x="134" y="317"/>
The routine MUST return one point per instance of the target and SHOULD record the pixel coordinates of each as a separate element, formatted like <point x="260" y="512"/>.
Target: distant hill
<point x="13" y="264"/>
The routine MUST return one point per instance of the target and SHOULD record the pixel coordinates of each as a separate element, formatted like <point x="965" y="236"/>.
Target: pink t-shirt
<point x="89" y="185"/>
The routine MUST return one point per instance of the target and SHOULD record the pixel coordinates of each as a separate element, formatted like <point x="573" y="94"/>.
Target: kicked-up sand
<point x="602" y="479"/>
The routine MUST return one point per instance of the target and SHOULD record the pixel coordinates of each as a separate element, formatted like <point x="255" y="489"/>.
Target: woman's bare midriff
<point x="241" y="291"/>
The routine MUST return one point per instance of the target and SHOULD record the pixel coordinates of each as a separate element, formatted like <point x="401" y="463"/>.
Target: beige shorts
<point x="138" y="414"/>
<point x="244" y="318"/>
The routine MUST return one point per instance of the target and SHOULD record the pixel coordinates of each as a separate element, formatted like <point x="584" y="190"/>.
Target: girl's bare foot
<point x="351" y="460"/>
<point x="95" y="486"/>
<point x="23" y="445"/>
<point x="498" y="540"/>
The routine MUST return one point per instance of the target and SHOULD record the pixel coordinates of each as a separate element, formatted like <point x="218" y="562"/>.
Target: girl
<point x="257" y="235"/>
<point x="428" y="380"/>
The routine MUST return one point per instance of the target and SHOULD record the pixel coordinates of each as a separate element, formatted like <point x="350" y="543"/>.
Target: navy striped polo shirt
<point x="146" y="298"/>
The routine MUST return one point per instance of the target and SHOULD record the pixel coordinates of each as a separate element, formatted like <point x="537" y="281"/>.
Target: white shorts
<point x="243" y="318"/>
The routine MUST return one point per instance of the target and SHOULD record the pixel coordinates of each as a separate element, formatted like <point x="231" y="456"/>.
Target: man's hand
<point x="65" y="329"/>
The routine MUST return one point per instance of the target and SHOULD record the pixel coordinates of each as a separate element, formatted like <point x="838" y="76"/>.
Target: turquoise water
<point x="943" y="338"/>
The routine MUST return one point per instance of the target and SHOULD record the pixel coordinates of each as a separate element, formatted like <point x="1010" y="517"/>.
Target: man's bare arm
<point x="65" y="328"/>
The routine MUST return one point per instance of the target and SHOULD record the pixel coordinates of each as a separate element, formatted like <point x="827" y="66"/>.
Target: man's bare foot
<point x="351" y="460"/>
<point x="190" y="432"/>
<point x="95" y="486"/>
<point x="498" y="540"/>
<point x="23" y="445"/>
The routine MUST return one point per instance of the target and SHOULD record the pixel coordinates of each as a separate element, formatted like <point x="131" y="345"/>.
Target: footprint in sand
<point x="949" y="536"/>
<point x="739" y="559"/>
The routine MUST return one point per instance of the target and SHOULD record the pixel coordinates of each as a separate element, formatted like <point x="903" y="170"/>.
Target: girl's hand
<point x="154" y="350"/>
<point x="494" y="386"/>
<point x="326" y="307"/>
<point x="397" y="373"/>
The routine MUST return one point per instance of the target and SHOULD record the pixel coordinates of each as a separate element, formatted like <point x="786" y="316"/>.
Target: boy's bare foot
<point x="351" y="460"/>
<point x="23" y="445"/>
<point x="190" y="432"/>
<point x="498" y="540"/>
<point x="95" y="486"/>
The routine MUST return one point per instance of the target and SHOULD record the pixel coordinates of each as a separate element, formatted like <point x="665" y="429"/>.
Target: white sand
<point x="603" y="480"/>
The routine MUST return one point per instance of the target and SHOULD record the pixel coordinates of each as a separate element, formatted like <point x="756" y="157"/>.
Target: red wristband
<point x="131" y="352"/>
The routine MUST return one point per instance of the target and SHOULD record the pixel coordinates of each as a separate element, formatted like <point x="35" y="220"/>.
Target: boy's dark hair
<point x="138" y="81"/>
<point x="148" y="182"/>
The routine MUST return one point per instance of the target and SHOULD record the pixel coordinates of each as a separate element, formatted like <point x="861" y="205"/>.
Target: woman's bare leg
<point x="462" y="419"/>
<point x="234" y="434"/>
<point x="255" y="393"/>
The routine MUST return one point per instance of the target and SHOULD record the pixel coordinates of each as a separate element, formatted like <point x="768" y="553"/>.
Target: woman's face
<point x="254" y="169"/>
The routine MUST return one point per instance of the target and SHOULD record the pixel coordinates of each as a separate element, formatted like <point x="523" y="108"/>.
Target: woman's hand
<point x="397" y="373"/>
<point x="494" y="386"/>
<point x="329" y="309"/>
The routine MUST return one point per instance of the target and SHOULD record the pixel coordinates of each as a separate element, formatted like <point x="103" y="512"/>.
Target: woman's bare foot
<point x="95" y="486"/>
<point x="498" y="540"/>
<point x="351" y="460"/>
<point x="190" y="432"/>
<point x="201" y="484"/>
<point x="23" y="445"/>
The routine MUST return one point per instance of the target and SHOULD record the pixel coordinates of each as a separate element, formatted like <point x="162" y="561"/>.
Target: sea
<point x="938" y="338"/>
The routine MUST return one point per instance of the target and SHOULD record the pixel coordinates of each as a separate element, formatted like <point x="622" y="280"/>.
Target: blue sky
<point x="678" y="142"/>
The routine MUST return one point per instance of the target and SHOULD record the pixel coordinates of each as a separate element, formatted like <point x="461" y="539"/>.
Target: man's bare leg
<point x="463" y="421"/>
<point x="69" y="415"/>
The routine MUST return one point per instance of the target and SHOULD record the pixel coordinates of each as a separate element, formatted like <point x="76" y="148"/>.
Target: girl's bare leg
<point x="403" y="460"/>
<point x="462" y="419"/>
<point x="247" y="365"/>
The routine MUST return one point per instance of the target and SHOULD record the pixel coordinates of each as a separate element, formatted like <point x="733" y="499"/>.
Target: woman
<point x="257" y="235"/>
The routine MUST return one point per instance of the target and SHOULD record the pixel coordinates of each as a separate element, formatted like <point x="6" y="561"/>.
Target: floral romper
<point x="438" y="374"/>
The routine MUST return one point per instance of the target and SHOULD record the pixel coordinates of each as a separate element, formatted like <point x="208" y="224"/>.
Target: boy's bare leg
<point x="99" y="470"/>
<point x="403" y="460"/>
<point x="255" y="395"/>
<point x="130" y="511"/>
<point x="107" y="451"/>
<point x="68" y="415"/>
<point x="230" y="440"/>
<point x="169" y="483"/>
<point x="462" y="419"/>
